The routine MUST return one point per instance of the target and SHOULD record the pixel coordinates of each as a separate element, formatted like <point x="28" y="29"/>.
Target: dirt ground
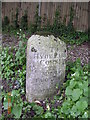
<point x="81" y="51"/>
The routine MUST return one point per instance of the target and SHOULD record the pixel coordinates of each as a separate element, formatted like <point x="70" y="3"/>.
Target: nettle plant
<point x="75" y="104"/>
<point x="14" y="102"/>
<point x="24" y="21"/>
<point x="7" y="64"/>
<point x="13" y="72"/>
<point x="14" y="64"/>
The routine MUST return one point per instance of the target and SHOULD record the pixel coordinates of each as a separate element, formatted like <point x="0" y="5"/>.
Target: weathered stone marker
<point x="45" y="66"/>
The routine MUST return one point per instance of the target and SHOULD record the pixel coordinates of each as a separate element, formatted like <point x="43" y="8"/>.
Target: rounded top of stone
<point x="44" y="38"/>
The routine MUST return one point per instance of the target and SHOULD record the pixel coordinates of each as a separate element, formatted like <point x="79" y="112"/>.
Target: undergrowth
<point x="72" y="98"/>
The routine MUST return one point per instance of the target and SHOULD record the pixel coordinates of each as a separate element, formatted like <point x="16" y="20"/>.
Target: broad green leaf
<point x="38" y="109"/>
<point x="66" y="107"/>
<point x="14" y="92"/>
<point x="17" y="110"/>
<point x="68" y="91"/>
<point x="72" y="83"/>
<point x="80" y="84"/>
<point x="86" y="91"/>
<point x="85" y="83"/>
<point x="85" y="115"/>
<point x="48" y="115"/>
<point x="76" y="94"/>
<point x="81" y="105"/>
<point x="23" y="35"/>
<point x="85" y="77"/>
<point x="74" y="111"/>
<point x="84" y="99"/>
<point x="77" y="75"/>
<point x="5" y="103"/>
<point x="20" y="44"/>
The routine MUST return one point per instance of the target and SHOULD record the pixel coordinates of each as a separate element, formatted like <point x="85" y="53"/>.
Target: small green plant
<point x="5" y="23"/>
<point x="37" y="19"/>
<point x="7" y="64"/>
<point x="75" y="104"/>
<point x="36" y="26"/>
<point x="24" y="21"/>
<point x="32" y="28"/>
<point x="70" y="27"/>
<point x="14" y="71"/>
<point x="75" y="38"/>
<point x="15" y="22"/>
<point x="57" y="23"/>
<point x="48" y="26"/>
<point x="44" y="18"/>
<point x="56" y="18"/>
<point x="15" y="103"/>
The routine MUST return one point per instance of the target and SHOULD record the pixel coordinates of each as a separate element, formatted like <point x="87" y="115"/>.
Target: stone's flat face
<point x="45" y="66"/>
